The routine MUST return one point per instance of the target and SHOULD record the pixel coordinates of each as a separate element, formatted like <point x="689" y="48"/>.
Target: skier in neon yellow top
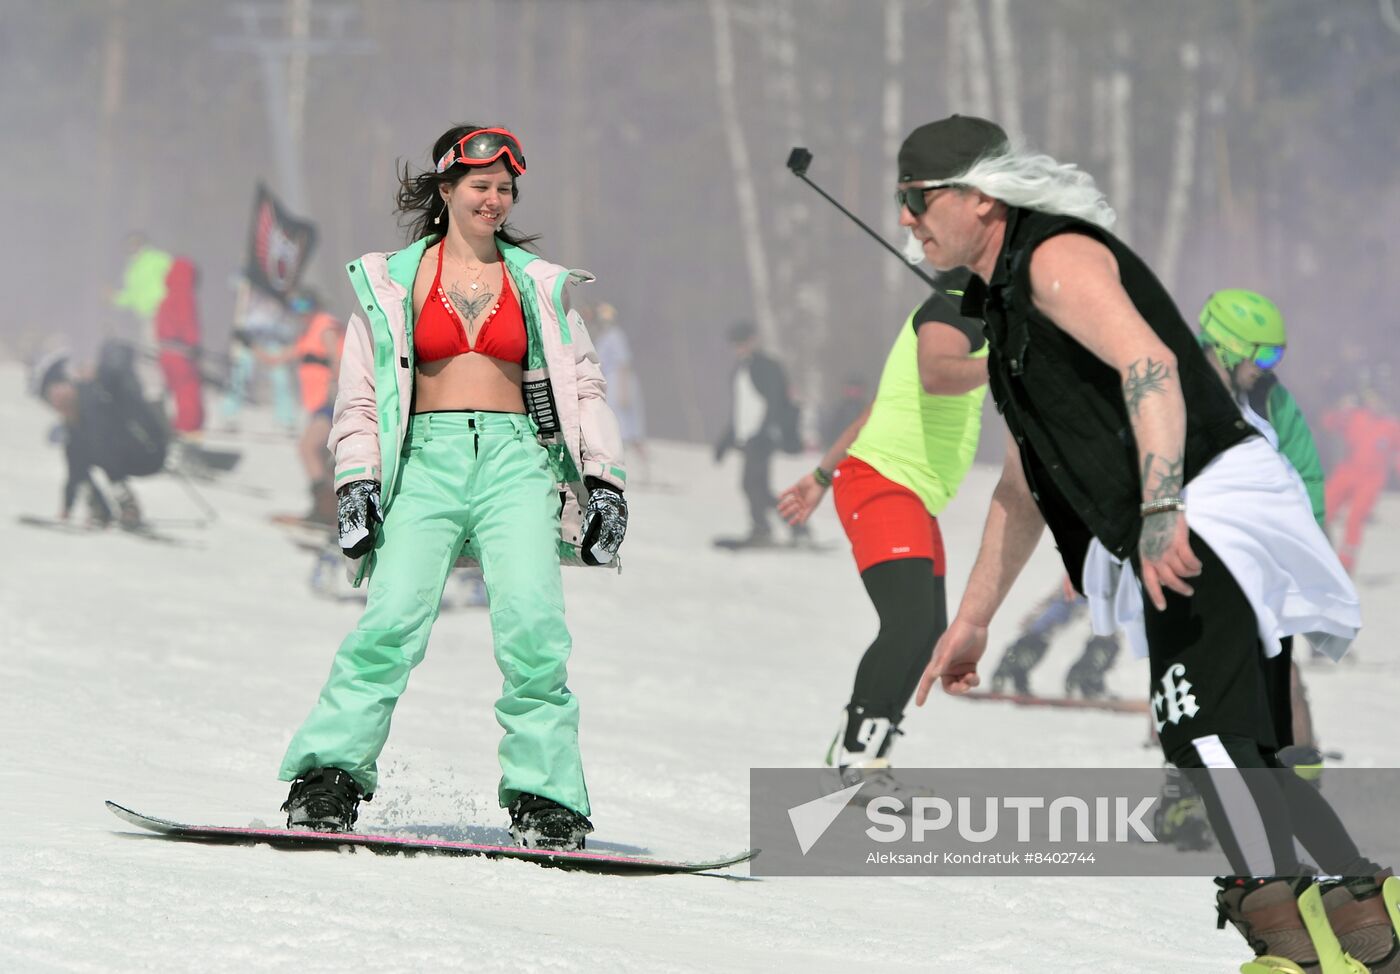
<point x="894" y="470"/>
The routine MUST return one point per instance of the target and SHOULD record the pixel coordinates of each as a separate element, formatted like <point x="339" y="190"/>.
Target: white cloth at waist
<point x="1249" y="505"/>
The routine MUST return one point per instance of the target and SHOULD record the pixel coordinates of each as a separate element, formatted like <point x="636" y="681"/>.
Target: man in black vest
<point x="1113" y="411"/>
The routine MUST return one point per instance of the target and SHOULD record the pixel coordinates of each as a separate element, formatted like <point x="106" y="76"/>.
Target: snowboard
<point x="1111" y="704"/>
<point x="207" y="458"/>
<point x="143" y="531"/>
<point x="585" y="861"/>
<point x="746" y="544"/>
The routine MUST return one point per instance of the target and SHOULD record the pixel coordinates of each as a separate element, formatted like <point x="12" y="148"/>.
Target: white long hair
<point x="1020" y="177"/>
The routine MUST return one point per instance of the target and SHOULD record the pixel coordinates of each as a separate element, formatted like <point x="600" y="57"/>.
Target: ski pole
<point x="183" y="479"/>
<point x="798" y="161"/>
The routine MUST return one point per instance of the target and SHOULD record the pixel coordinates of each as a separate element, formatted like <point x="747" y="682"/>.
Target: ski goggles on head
<point x="483" y="147"/>
<point x="914" y="198"/>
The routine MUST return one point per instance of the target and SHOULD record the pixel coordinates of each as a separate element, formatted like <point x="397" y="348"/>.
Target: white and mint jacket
<point x="564" y="388"/>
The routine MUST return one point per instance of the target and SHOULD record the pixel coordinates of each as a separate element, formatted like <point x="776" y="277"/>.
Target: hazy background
<point x="1245" y="144"/>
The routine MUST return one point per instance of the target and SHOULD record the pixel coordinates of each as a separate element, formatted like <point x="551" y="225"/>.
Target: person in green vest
<point x="893" y="471"/>
<point x="1244" y="337"/>
<point x="143" y="282"/>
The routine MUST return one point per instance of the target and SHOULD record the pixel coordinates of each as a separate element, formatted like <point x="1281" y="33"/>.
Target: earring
<point x="438" y="219"/>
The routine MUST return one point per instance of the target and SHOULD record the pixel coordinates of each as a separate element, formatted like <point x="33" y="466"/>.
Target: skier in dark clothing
<point x="107" y="424"/>
<point x="762" y="421"/>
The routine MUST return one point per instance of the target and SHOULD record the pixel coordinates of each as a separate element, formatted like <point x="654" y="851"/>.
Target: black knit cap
<point x="947" y="148"/>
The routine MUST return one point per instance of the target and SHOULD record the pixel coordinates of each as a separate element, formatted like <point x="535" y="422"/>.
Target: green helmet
<point x="1238" y="324"/>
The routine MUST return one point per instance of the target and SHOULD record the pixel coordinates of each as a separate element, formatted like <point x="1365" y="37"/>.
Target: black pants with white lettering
<point x="1220" y="705"/>
<point x="913" y="609"/>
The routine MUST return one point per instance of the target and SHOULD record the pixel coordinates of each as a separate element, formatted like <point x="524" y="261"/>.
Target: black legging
<point x="913" y="610"/>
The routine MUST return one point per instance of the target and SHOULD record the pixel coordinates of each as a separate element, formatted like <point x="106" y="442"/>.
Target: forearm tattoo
<point x="1145" y="378"/>
<point x="1157" y="533"/>
<point x="1162" y="477"/>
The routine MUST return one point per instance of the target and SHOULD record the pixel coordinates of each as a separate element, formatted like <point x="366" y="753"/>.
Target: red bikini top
<point x="439" y="333"/>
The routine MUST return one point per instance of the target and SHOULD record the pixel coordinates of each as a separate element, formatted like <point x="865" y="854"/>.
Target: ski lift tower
<point x="285" y="36"/>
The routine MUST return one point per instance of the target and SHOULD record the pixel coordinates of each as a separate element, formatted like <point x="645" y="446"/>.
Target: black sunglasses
<point x="915" y="198"/>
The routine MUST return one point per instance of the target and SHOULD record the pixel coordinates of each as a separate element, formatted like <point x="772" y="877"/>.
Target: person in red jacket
<point x="1371" y="436"/>
<point x="177" y="336"/>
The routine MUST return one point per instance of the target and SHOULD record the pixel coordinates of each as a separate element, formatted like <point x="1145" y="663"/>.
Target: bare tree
<point x="892" y="117"/>
<point x="113" y="98"/>
<point x="742" y="171"/>
<point x="1183" y="168"/>
<point x="1058" y="125"/>
<point x="978" y="76"/>
<point x="954" y="60"/>
<point x="1004" y="52"/>
<point x="1120" y="136"/>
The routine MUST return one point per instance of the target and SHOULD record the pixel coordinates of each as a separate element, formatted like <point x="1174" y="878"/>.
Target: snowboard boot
<point x="1181" y="815"/>
<point x="1364" y="912"/>
<point x="128" y="510"/>
<point x="324" y="504"/>
<point x="1016" y="664"/>
<point x="1284" y="921"/>
<point x="542" y="823"/>
<point x="860" y="754"/>
<point x="324" y="800"/>
<point x="1086" y="677"/>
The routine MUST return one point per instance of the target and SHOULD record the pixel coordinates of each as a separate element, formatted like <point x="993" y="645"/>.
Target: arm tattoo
<point x="1166" y="480"/>
<point x="1144" y="378"/>
<point x="1157" y="533"/>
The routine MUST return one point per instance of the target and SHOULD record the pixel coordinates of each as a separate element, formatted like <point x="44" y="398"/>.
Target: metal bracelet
<point x="1162" y="505"/>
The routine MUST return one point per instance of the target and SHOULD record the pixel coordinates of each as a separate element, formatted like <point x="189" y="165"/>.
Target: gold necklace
<point x="476" y="278"/>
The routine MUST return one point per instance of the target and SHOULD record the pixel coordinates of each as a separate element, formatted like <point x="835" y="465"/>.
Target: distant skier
<point x="893" y="471"/>
<point x="1057" y="610"/>
<point x="178" y="342"/>
<point x="763" y="420"/>
<point x="108" y="425"/>
<point x="1370" y="433"/>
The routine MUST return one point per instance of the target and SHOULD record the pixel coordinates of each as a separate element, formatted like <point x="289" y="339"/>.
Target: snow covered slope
<point x="171" y="678"/>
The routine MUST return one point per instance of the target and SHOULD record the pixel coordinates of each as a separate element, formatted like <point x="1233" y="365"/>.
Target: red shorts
<point x="884" y="520"/>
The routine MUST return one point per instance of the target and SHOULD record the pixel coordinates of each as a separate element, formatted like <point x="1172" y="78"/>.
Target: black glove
<point x="359" y="511"/>
<point x="604" y="523"/>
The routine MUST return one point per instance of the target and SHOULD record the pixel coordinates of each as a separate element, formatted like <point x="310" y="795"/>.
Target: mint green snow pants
<point x="484" y="477"/>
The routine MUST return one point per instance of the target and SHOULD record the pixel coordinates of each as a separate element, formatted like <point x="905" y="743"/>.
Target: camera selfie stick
<point x="799" y="160"/>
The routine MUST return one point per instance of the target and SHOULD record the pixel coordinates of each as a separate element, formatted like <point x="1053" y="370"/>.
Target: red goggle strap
<point x="454" y="155"/>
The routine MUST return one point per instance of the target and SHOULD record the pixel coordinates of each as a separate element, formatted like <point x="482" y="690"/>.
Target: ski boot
<point x="1085" y="677"/>
<point x="860" y="755"/>
<point x="1016" y="664"/>
<point x="128" y="510"/>
<point x="1286" y="924"/>
<point x="324" y="504"/>
<point x="542" y="823"/>
<point x="323" y="800"/>
<point x="1181" y="815"/>
<point x="1305" y="760"/>
<point x="1364" y="912"/>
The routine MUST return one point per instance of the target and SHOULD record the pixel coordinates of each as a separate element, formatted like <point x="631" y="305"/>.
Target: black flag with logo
<point x="279" y="246"/>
